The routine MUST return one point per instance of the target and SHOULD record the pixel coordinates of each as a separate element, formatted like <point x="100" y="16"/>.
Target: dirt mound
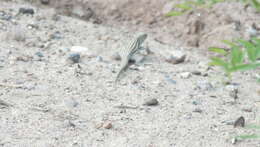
<point x="198" y="28"/>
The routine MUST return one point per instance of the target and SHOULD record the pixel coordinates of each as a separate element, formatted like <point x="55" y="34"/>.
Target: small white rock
<point x="81" y="50"/>
<point x="175" y="57"/>
<point x="185" y="75"/>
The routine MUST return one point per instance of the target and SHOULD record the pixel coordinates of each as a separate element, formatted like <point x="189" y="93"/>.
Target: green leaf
<point x="236" y="56"/>
<point x="257" y="46"/>
<point x="215" y="61"/>
<point x="183" y="6"/>
<point x="253" y="136"/>
<point x="221" y="51"/>
<point x="256" y="5"/>
<point x="229" y="43"/>
<point x="174" y="13"/>
<point x="250" y="48"/>
<point x="252" y="127"/>
<point x="244" y="67"/>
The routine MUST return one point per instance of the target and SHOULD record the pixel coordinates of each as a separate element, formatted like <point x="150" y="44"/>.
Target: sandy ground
<point x="47" y="101"/>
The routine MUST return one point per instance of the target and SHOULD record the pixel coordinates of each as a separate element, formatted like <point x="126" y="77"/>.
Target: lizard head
<point x="142" y="37"/>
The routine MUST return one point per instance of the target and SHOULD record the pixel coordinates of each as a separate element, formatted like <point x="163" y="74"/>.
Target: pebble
<point x="234" y="93"/>
<point x="23" y="58"/>
<point x="74" y="57"/>
<point x="39" y="54"/>
<point x="56" y="35"/>
<point x="98" y="126"/>
<point x="176" y="59"/>
<point x="195" y="103"/>
<point x="116" y="56"/>
<point x="45" y="2"/>
<point x="234" y="141"/>
<point x="240" y="122"/>
<point x="251" y="31"/>
<point x="185" y="75"/>
<point x="5" y="16"/>
<point x="151" y="102"/>
<point x="196" y="72"/>
<point x="26" y="11"/>
<point x="203" y="66"/>
<point x="247" y="109"/>
<point x="198" y="110"/>
<point x="83" y="51"/>
<point x="170" y="80"/>
<point x="99" y="59"/>
<point x="107" y="125"/>
<point x="204" y="85"/>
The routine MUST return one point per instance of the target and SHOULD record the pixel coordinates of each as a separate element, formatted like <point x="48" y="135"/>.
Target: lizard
<point x="133" y="47"/>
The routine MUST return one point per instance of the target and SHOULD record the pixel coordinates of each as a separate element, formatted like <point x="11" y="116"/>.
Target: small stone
<point x="4" y="104"/>
<point x="83" y="51"/>
<point x="198" y="110"/>
<point x="116" y="56"/>
<point x="204" y="85"/>
<point x="233" y="93"/>
<point x="23" y="58"/>
<point x="252" y="31"/>
<point x="195" y="103"/>
<point x="56" y="35"/>
<point x="98" y="126"/>
<point x="185" y="75"/>
<point x="247" y="109"/>
<point x="234" y="141"/>
<point x="107" y="125"/>
<point x="45" y="2"/>
<point x="203" y="66"/>
<point x="240" y="122"/>
<point x="99" y="59"/>
<point x="151" y="102"/>
<point x="26" y="11"/>
<point x="169" y="79"/>
<point x="5" y="16"/>
<point x="176" y="59"/>
<point x="39" y="54"/>
<point x="74" y="57"/>
<point x="195" y="72"/>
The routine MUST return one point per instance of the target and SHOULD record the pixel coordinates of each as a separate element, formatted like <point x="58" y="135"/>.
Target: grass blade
<point x="229" y="43"/>
<point x="236" y="56"/>
<point x="244" y="67"/>
<point x="253" y="136"/>
<point x="250" y="48"/>
<point x="183" y="6"/>
<point x="221" y="51"/>
<point x="174" y="13"/>
<point x="253" y="127"/>
<point x="215" y="61"/>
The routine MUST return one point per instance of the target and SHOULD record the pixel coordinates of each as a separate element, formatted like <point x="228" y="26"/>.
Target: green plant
<point x="247" y="136"/>
<point x="242" y="55"/>
<point x="182" y="8"/>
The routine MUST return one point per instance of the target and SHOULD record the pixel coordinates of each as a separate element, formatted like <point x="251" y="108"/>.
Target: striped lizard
<point x="133" y="47"/>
